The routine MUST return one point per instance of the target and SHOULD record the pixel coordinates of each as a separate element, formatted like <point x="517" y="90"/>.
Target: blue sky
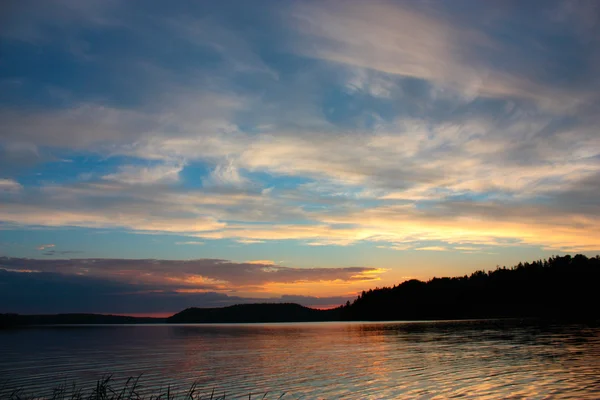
<point x="405" y="139"/>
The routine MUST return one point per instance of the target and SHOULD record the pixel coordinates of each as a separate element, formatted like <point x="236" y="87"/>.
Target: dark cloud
<point x="527" y="34"/>
<point x="16" y="158"/>
<point x="172" y="274"/>
<point x="61" y="252"/>
<point x="580" y="197"/>
<point x="45" y="292"/>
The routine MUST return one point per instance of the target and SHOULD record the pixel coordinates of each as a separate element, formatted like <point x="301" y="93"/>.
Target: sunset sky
<point x="159" y="155"/>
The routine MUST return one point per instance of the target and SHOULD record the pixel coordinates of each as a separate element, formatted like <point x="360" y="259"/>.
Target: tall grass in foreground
<point x="131" y="390"/>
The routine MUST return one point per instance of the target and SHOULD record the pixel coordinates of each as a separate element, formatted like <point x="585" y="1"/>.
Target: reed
<point x="105" y="389"/>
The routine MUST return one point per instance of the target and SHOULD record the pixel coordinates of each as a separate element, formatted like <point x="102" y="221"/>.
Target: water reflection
<point x="471" y="359"/>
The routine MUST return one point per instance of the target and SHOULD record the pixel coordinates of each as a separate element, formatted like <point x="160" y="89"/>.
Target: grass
<point x="131" y="390"/>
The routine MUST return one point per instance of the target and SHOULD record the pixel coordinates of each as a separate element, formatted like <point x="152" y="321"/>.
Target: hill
<point x="267" y="312"/>
<point x="558" y="288"/>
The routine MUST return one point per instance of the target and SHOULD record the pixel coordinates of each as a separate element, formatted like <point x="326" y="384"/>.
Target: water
<point x="472" y="359"/>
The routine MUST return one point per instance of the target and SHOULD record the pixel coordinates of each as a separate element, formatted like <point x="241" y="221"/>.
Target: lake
<point x="468" y="359"/>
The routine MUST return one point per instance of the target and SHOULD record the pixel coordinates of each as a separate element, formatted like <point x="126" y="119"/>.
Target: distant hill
<point x="8" y="320"/>
<point x="558" y="288"/>
<point x="267" y="312"/>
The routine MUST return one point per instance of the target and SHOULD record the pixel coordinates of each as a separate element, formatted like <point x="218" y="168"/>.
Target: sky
<point x="161" y="155"/>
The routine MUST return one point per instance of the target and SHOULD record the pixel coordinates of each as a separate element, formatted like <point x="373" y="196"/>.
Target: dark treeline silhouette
<point x="558" y="288"/>
<point x="267" y="312"/>
<point x="7" y="320"/>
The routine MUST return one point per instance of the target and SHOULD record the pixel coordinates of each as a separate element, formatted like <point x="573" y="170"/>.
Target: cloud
<point x="38" y="25"/>
<point x="61" y="252"/>
<point x="398" y="247"/>
<point x="467" y="248"/>
<point x="94" y="125"/>
<point x="141" y="175"/>
<point x="17" y="156"/>
<point x="396" y="124"/>
<point x="371" y="187"/>
<point x="224" y="175"/>
<point x="365" y="81"/>
<point x="10" y="186"/>
<point x="261" y="262"/>
<point x="442" y="46"/>
<point x="204" y="274"/>
<point x="159" y="129"/>
<point x="127" y="218"/>
<point x="46" y="292"/>
<point x="432" y="248"/>
<point x="45" y="246"/>
<point x="193" y="242"/>
<point x="470" y="222"/>
<point x="236" y="51"/>
<point x="345" y="220"/>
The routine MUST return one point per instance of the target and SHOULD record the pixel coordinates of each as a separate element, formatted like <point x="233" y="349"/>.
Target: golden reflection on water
<point x="476" y="359"/>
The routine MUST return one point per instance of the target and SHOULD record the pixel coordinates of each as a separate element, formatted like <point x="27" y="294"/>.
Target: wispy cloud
<point x="61" y="252"/>
<point x="467" y="248"/>
<point x="432" y="248"/>
<point x="405" y="126"/>
<point x="206" y="274"/>
<point x="80" y="293"/>
<point x="416" y="40"/>
<point x="143" y="175"/>
<point x="10" y="186"/>
<point x="249" y="241"/>
<point x="261" y="262"/>
<point x="226" y="175"/>
<point x="343" y="222"/>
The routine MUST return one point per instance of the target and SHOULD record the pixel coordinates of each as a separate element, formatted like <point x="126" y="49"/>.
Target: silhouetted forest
<point x="267" y="312"/>
<point x="560" y="287"/>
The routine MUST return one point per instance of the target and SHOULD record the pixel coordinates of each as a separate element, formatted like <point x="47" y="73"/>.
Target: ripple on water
<point x="473" y="359"/>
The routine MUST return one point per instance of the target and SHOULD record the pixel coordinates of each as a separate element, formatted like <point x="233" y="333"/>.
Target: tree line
<point x="561" y="287"/>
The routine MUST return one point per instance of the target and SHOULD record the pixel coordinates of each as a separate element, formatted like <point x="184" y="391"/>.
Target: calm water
<point x="477" y="359"/>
